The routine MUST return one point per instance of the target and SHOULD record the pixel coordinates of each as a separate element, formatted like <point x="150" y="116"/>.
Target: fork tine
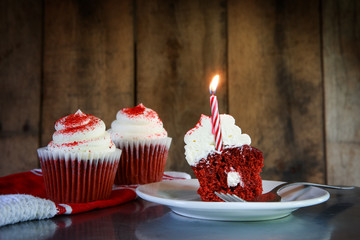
<point x="235" y="198"/>
<point x="229" y="197"/>
<point x="221" y="196"/>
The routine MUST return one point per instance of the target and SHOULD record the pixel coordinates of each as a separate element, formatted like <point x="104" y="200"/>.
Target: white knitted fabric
<point x="21" y="207"/>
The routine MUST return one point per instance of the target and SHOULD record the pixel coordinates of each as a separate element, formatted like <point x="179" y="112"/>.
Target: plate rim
<point x="248" y="206"/>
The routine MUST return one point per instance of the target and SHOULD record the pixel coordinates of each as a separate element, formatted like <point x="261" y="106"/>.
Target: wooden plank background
<point x="88" y="60"/>
<point x="180" y="47"/>
<point x="289" y="75"/>
<point x="276" y="85"/>
<point x="20" y="84"/>
<point x="342" y="90"/>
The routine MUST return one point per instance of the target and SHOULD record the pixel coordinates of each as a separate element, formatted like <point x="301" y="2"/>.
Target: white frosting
<point x="137" y="123"/>
<point x="233" y="179"/>
<point x="200" y="141"/>
<point x="81" y="133"/>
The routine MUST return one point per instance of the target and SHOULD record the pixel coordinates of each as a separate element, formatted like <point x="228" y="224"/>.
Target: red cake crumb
<point x="135" y="111"/>
<point x="212" y="173"/>
<point x="140" y="111"/>
<point x="73" y="120"/>
<point x="77" y="122"/>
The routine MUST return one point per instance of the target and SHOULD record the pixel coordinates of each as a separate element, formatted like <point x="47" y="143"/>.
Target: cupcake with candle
<point x="234" y="169"/>
<point x="221" y="156"/>
<point x="80" y="163"/>
<point x="144" y="142"/>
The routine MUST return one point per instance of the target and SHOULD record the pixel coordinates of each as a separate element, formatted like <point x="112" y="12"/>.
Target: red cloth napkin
<point x="23" y="197"/>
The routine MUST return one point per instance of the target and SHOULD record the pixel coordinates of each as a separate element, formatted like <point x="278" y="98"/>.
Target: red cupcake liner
<point x="142" y="161"/>
<point x="77" y="180"/>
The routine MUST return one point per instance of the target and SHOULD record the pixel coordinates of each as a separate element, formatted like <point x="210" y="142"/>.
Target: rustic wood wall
<point x="289" y="71"/>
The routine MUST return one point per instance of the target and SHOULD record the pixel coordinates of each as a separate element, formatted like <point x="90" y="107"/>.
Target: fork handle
<point x="327" y="186"/>
<point x="281" y="186"/>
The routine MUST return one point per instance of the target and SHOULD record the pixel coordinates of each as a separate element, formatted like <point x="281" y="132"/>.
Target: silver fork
<point x="273" y="195"/>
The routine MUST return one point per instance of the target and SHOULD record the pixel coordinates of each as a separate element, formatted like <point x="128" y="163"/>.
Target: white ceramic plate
<point x="182" y="198"/>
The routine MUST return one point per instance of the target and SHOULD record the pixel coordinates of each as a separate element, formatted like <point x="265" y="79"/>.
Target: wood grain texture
<point x="289" y="75"/>
<point x="181" y="45"/>
<point x="20" y="74"/>
<point x="275" y="85"/>
<point x="88" y="60"/>
<point x="341" y="27"/>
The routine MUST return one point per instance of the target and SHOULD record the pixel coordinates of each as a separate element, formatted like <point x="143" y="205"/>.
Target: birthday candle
<point x="215" y="117"/>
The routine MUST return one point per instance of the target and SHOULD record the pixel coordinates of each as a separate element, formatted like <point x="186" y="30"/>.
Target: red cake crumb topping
<point x="74" y="144"/>
<point x="73" y="120"/>
<point x="135" y="111"/>
<point x="79" y="125"/>
<point x="212" y="173"/>
<point x="77" y="122"/>
<point x="140" y="110"/>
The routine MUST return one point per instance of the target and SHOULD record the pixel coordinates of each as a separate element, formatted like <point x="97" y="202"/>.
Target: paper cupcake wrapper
<point x="71" y="178"/>
<point x="142" y="161"/>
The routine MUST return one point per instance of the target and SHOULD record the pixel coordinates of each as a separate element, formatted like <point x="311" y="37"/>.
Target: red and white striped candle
<point x="215" y="117"/>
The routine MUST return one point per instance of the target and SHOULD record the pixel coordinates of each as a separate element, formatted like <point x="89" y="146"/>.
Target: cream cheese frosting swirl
<point x="199" y="141"/>
<point x="137" y="123"/>
<point x="80" y="132"/>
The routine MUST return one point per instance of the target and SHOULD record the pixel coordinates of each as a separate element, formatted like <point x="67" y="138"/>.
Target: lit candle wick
<point x="213" y="85"/>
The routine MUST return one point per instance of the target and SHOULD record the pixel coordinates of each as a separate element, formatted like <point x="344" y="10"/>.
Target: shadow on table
<point x="174" y="227"/>
<point x="42" y="229"/>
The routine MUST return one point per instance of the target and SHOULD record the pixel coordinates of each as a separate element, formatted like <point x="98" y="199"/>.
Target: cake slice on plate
<point x="236" y="169"/>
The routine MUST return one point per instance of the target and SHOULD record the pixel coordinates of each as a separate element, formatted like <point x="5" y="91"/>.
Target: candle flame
<point x="213" y="85"/>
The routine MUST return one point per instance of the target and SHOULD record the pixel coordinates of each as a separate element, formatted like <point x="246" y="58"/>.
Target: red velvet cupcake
<point x="140" y="134"/>
<point x="80" y="163"/>
<point x="235" y="170"/>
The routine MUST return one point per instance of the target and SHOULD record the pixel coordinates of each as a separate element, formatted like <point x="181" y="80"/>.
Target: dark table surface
<point x="338" y="218"/>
